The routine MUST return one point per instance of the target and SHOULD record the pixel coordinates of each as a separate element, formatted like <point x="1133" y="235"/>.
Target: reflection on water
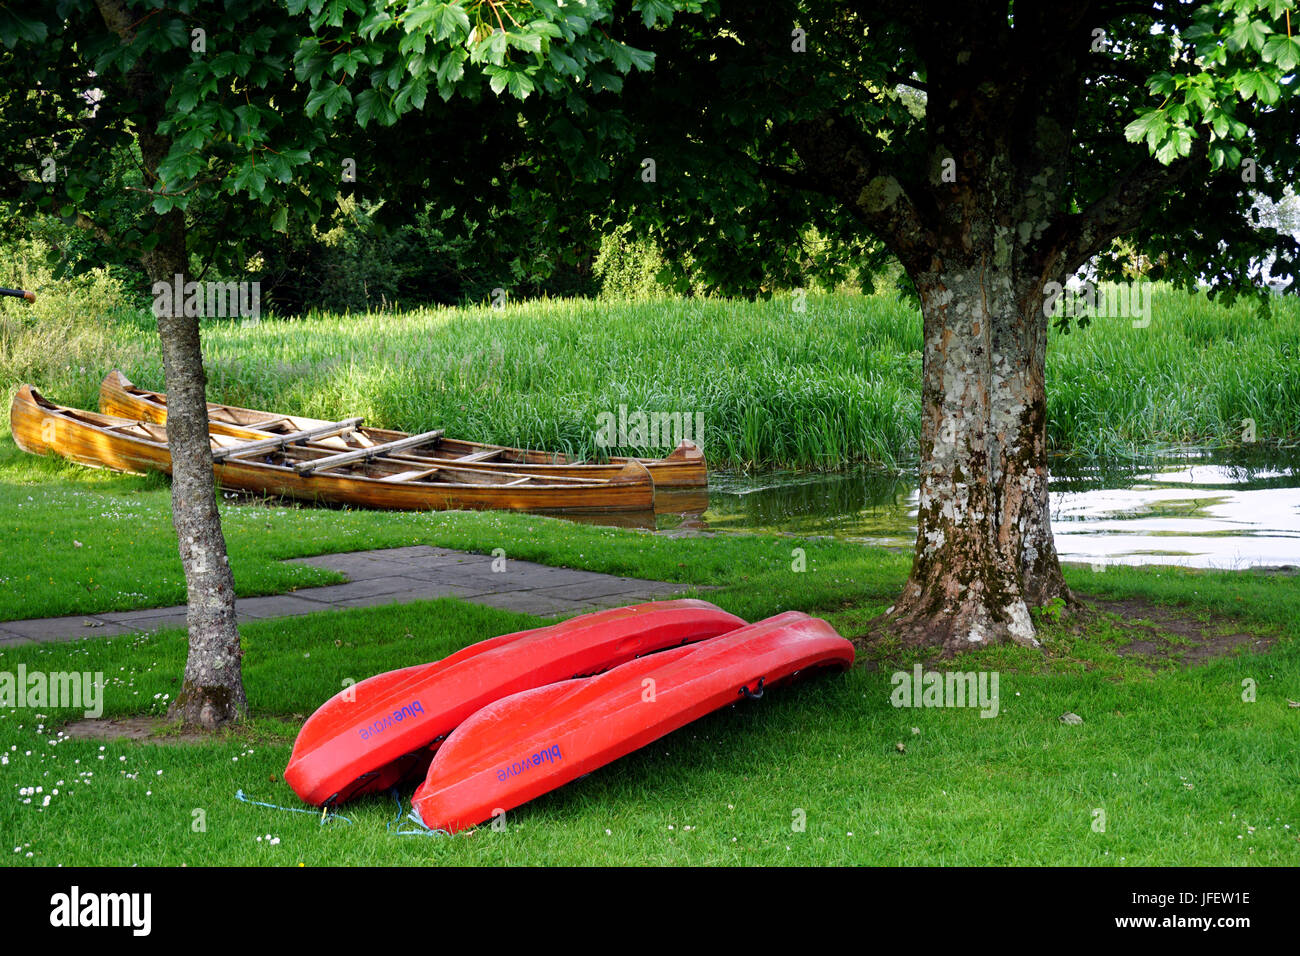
<point x="1201" y="509"/>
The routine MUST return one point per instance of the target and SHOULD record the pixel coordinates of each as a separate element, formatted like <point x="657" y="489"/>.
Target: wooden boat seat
<point x="280" y="441"/>
<point x="366" y="454"/>
<point x="413" y="475"/>
<point x="479" y="456"/>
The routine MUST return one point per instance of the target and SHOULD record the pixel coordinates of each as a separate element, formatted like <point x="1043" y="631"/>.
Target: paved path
<point x="391" y="576"/>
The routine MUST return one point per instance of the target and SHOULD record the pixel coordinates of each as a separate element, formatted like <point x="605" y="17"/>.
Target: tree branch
<point x="1080" y="236"/>
<point x="839" y="157"/>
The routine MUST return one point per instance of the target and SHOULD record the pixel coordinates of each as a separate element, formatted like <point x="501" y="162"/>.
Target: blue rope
<point x="422" y="831"/>
<point x="325" y="816"/>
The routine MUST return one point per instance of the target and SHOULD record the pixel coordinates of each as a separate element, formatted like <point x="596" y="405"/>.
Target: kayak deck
<point x="528" y="744"/>
<point x="371" y="735"/>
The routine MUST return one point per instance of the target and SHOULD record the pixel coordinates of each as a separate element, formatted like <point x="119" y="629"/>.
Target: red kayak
<point x="525" y="745"/>
<point x="375" y="733"/>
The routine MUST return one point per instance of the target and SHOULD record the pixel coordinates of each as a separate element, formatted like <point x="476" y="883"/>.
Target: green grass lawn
<point x="1184" y="771"/>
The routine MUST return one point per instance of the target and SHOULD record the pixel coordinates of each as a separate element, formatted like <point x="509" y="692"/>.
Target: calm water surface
<point x="1195" y="508"/>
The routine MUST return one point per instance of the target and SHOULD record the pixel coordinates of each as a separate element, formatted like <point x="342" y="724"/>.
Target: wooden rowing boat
<point x="684" y="468"/>
<point x="371" y="477"/>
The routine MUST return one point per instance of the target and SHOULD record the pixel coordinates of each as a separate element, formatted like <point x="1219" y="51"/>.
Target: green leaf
<point x="173" y="31"/>
<point x="497" y="78"/>
<point x="1199" y="98"/>
<point x="528" y="42"/>
<point x="412" y="94"/>
<point x="329" y="100"/>
<point x="251" y="179"/>
<point x="14" y="28"/>
<point x="1247" y="33"/>
<point x="228" y="61"/>
<point x="451" y="68"/>
<point x="1150" y="126"/>
<point x="1283" y="51"/>
<point x="1178" y="143"/>
<point x="520" y="84"/>
<point x="1258" y="85"/>
<point x="372" y="105"/>
<point x="1162" y="84"/>
<point x="653" y="11"/>
<point x="602" y="80"/>
<point x="346" y="62"/>
<point x="453" y="22"/>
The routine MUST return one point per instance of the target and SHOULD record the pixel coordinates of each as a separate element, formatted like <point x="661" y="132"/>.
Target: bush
<point x="628" y="267"/>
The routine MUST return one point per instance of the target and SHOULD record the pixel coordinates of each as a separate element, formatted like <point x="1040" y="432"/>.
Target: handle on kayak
<point x="754" y="694"/>
<point x="19" y="294"/>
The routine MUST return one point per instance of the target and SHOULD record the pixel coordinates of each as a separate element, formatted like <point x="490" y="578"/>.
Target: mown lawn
<point x="1184" y="771"/>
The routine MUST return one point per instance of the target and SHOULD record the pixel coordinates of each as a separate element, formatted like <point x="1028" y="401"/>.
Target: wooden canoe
<point x="361" y="478"/>
<point x="684" y="468"/>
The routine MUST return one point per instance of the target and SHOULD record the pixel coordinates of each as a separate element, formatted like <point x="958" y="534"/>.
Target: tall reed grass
<point x="833" y="385"/>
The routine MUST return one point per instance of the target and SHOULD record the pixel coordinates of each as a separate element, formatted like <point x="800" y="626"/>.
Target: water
<point x="1194" y="508"/>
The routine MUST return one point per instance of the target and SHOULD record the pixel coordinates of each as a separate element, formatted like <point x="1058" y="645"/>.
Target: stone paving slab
<point x="276" y="605"/>
<point x="163" y="622"/>
<point x="486" y="580"/>
<point x="388" y="576"/>
<point x="586" y="590"/>
<point x="139" y="617"/>
<point x="356" y="567"/>
<point x="67" y="628"/>
<point x="336" y="593"/>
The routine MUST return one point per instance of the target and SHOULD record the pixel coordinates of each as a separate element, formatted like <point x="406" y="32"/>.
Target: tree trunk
<point x="984" y="553"/>
<point x="213" y="692"/>
<point x="1039" y="564"/>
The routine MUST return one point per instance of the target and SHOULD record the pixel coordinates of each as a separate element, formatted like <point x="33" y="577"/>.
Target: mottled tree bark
<point x="984" y="552"/>
<point x="981" y="232"/>
<point x="213" y="691"/>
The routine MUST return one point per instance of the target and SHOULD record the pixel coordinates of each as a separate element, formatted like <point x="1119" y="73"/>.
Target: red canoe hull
<point x="525" y="745"/>
<point x="372" y="735"/>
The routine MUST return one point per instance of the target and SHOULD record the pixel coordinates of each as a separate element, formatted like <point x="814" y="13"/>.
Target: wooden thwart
<point x="479" y="456"/>
<point x="280" y="441"/>
<point x="365" y="454"/>
<point x="414" y="475"/>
